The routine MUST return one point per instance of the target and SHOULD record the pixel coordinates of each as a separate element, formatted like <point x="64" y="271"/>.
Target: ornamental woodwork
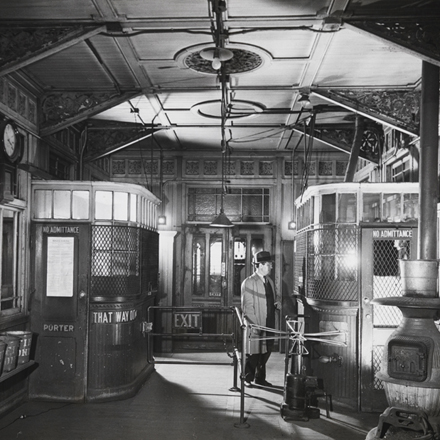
<point x="62" y="109"/>
<point x="421" y="36"/>
<point x="112" y="136"/>
<point x="61" y="106"/>
<point x="400" y="108"/>
<point x="372" y="140"/>
<point x="16" y="43"/>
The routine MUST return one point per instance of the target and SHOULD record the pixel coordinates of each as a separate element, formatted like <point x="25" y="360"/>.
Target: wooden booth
<point x="349" y="239"/>
<point x="95" y="273"/>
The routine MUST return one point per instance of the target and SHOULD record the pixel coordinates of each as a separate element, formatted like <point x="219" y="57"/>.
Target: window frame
<point x="18" y="299"/>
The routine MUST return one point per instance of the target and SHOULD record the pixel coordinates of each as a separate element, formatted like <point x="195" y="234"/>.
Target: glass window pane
<point x="61" y="204"/>
<point x="371" y="207"/>
<point x="313" y="220"/>
<point x="133" y="207"/>
<point x="103" y="205"/>
<point x="80" y="205"/>
<point x="347" y="204"/>
<point x="391" y="209"/>
<point x="43" y="204"/>
<point x="257" y="245"/>
<point x="328" y="208"/>
<point x="9" y="260"/>
<point x="120" y="206"/>
<point x="240" y="204"/>
<point x="199" y="254"/>
<point x="252" y="208"/>
<point x="239" y="264"/>
<point x="215" y="266"/>
<point x="410" y="207"/>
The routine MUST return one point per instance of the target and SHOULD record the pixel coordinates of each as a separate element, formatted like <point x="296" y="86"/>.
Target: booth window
<point x="10" y="294"/>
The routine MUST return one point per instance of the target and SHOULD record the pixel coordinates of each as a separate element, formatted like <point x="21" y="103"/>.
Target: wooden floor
<point x="187" y="397"/>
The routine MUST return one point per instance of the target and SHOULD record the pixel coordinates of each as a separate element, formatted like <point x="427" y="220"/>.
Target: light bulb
<point x="216" y="63"/>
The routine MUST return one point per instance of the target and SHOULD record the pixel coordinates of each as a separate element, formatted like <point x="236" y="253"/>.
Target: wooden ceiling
<point x="117" y="64"/>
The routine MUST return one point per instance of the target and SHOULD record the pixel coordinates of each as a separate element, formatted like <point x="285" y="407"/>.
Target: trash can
<point x="24" y="349"/>
<point x="11" y="353"/>
<point x="2" y="354"/>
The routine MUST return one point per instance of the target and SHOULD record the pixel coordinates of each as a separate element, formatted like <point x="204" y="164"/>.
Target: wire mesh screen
<point x="115" y="261"/>
<point x="300" y="262"/>
<point x="377" y="360"/>
<point x="386" y="279"/>
<point x="386" y="283"/>
<point x="332" y="267"/>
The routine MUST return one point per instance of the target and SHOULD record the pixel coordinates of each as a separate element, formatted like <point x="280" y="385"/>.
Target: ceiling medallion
<point x="246" y="58"/>
<point x="236" y="109"/>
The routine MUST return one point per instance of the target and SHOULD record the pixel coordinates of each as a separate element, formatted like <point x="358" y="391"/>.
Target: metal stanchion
<point x="242" y="423"/>
<point x="235" y="360"/>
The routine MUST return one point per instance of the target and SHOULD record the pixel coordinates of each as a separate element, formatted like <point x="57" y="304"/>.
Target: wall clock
<point x="10" y="141"/>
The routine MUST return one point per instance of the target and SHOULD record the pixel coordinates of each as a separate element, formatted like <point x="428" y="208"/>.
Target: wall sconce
<point x="162" y="220"/>
<point x="291" y="225"/>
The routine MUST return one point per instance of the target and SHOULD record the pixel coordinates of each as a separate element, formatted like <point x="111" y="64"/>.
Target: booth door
<point x="59" y="310"/>
<point x="381" y="250"/>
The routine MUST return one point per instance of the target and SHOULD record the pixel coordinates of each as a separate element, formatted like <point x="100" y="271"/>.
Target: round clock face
<point x="9" y="140"/>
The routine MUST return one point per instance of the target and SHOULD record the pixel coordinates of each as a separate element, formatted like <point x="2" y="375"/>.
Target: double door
<point x="216" y="261"/>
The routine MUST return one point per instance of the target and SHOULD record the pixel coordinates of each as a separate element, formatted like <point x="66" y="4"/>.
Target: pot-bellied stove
<point x="410" y="368"/>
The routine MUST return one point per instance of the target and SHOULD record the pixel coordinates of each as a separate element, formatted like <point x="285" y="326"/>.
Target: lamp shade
<point x="217" y="55"/>
<point x="221" y="221"/>
<point x="211" y="53"/>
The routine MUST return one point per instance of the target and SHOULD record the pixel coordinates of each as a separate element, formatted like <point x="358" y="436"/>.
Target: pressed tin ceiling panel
<point x="151" y="50"/>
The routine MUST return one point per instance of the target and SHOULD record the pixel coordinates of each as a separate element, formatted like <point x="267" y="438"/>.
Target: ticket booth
<point x="349" y="240"/>
<point x="95" y="273"/>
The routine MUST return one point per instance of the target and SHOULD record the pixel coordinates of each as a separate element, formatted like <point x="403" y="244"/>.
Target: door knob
<point x="82" y="294"/>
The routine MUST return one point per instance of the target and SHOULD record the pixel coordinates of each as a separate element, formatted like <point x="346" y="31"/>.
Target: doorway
<point x="59" y="310"/>
<point x="380" y="278"/>
<point x="217" y="260"/>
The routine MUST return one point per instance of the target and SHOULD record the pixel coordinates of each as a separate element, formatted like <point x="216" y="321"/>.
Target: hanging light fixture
<point x="217" y="55"/>
<point x="222" y="221"/>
